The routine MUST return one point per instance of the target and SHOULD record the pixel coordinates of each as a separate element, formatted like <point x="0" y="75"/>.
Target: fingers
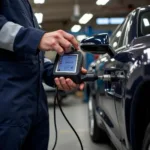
<point x="65" y="44"/>
<point x="65" y="84"/>
<point x="58" y="84"/>
<point x="70" y="38"/>
<point x="60" y="41"/>
<point x="81" y="86"/>
<point x="58" y="49"/>
<point x="61" y="84"/>
<point x="83" y="70"/>
<point x="71" y="84"/>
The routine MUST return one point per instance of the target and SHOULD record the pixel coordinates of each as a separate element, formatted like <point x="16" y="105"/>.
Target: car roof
<point x="142" y="9"/>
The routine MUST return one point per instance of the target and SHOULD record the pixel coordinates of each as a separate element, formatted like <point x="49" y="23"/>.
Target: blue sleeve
<point x="48" y="74"/>
<point x="3" y="20"/>
<point x="18" y="38"/>
<point x="28" y="40"/>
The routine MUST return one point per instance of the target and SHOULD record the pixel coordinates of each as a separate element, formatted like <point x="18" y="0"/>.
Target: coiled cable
<point x="57" y="100"/>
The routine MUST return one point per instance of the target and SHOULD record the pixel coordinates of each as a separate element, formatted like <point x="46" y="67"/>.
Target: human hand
<point x="59" y="41"/>
<point x="68" y="84"/>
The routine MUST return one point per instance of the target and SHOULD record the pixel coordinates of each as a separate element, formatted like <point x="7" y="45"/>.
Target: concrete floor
<point x="76" y="112"/>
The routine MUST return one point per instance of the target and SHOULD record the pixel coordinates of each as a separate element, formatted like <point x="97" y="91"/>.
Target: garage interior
<point x="64" y="14"/>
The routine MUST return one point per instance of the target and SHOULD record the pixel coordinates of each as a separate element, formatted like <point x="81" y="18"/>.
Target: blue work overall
<point x="24" y="119"/>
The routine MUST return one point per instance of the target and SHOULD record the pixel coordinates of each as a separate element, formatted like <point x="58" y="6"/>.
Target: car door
<point x="107" y="100"/>
<point x="119" y="87"/>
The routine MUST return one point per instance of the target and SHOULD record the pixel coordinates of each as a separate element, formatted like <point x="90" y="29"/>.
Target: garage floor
<point x="76" y="112"/>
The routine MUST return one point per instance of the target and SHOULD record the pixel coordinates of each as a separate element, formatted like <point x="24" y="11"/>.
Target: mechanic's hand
<point x="59" y="41"/>
<point x="68" y="84"/>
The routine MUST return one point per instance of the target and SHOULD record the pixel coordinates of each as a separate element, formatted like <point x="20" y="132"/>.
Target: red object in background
<point x="96" y="56"/>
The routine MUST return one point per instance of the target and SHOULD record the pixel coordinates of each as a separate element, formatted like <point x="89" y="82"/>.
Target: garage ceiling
<point x="58" y="13"/>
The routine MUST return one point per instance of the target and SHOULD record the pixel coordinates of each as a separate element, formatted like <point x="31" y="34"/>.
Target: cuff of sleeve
<point x="28" y="40"/>
<point x="48" y="74"/>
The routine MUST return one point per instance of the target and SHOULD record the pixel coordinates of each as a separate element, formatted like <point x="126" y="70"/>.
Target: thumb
<point x="83" y="70"/>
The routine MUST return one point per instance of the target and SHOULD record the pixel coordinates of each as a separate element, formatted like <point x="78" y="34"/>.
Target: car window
<point x="116" y="37"/>
<point x="125" y="30"/>
<point x="144" y="19"/>
<point x="114" y="34"/>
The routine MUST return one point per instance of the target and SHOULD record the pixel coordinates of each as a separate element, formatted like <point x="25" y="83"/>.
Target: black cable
<point x="58" y="101"/>
<point x="55" y="123"/>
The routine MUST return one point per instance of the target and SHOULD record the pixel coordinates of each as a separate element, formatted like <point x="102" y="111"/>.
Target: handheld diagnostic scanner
<point x="69" y="66"/>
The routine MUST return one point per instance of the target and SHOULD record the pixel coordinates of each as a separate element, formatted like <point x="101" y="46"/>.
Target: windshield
<point x="145" y="23"/>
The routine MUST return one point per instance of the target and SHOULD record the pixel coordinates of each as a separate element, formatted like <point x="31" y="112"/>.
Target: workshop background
<point x="82" y="18"/>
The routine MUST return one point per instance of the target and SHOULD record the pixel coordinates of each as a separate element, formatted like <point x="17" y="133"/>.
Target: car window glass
<point x="114" y="34"/>
<point x="145" y="23"/>
<point x="124" y="35"/>
<point x="128" y="27"/>
<point x="115" y="39"/>
<point x="118" y="36"/>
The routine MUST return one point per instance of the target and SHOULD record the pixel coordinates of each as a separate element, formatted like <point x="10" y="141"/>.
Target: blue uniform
<point x="24" y="116"/>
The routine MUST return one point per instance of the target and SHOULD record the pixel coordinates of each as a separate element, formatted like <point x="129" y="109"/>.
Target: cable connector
<point x="108" y="77"/>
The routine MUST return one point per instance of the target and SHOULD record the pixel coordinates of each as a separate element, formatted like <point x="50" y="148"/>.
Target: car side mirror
<point x="98" y="44"/>
<point x="124" y="57"/>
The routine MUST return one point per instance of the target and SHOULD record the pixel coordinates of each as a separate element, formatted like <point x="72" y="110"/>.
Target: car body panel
<point x="114" y="101"/>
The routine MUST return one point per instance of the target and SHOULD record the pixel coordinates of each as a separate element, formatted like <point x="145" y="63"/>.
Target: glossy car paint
<point x="115" y="102"/>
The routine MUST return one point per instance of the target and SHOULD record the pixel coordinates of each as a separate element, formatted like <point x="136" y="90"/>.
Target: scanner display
<point x="67" y="63"/>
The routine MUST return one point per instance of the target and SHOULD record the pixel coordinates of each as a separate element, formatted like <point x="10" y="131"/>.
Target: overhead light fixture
<point x="146" y="22"/>
<point x="76" y="28"/>
<point x="39" y="17"/>
<point x="39" y="1"/>
<point x="76" y="10"/>
<point x="117" y="20"/>
<point x="110" y="21"/>
<point x="81" y="37"/>
<point x="86" y="18"/>
<point x="102" y="2"/>
<point x="102" y="21"/>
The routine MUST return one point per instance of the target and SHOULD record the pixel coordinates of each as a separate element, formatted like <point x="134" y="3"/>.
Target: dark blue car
<point x="119" y="104"/>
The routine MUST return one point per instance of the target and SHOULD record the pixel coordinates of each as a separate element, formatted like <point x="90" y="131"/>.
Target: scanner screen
<point x="67" y="63"/>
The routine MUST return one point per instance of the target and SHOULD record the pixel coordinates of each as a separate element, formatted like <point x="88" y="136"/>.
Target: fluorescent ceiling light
<point x="146" y="22"/>
<point x="107" y="21"/>
<point x="81" y="37"/>
<point x="102" y="2"/>
<point x="117" y="20"/>
<point x="86" y="18"/>
<point x="102" y="21"/>
<point x="39" y="17"/>
<point x="76" y="28"/>
<point x="76" y="10"/>
<point x="39" y="1"/>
